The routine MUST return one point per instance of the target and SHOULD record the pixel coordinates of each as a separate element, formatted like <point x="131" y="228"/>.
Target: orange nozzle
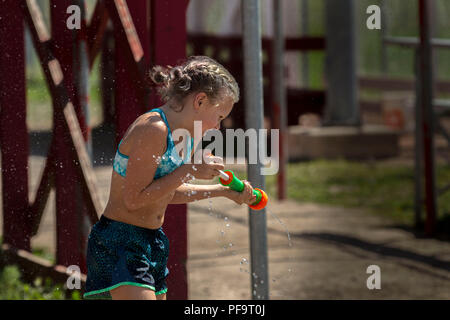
<point x="230" y="175"/>
<point x="262" y="203"/>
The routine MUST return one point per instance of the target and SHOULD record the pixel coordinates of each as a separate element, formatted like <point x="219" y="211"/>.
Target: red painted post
<point x="168" y="32"/>
<point x="70" y="205"/>
<point x="278" y="94"/>
<point x="282" y="170"/>
<point x="426" y="85"/>
<point x="13" y="128"/>
<point x="128" y="102"/>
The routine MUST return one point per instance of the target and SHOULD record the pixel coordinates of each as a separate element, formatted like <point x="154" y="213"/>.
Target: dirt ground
<point x="328" y="259"/>
<point x="331" y="250"/>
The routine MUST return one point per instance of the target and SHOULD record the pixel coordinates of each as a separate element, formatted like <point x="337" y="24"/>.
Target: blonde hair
<point x="196" y="74"/>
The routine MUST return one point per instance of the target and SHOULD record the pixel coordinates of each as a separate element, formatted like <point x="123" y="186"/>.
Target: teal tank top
<point x="169" y="161"/>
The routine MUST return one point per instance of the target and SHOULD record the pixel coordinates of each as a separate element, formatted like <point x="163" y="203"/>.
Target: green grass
<point x="13" y="288"/>
<point x="382" y="189"/>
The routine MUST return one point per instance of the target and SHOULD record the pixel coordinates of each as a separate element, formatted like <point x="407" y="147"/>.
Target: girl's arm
<point x="193" y="192"/>
<point x="140" y="189"/>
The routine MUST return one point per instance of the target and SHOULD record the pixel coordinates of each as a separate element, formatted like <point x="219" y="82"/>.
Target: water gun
<point x="227" y="178"/>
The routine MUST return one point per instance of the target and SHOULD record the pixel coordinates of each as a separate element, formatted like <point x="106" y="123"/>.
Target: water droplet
<point x="284" y="226"/>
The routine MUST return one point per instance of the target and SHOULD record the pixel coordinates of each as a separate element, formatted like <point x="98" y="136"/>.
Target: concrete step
<point x="367" y="141"/>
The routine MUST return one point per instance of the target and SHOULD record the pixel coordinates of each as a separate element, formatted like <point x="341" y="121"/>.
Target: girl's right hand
<point x="206" y="171"/>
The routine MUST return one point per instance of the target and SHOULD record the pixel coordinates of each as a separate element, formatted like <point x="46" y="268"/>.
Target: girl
<point x="127" y="249"/>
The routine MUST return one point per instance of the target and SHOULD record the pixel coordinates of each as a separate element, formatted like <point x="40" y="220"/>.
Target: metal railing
<point x="428" y="112"/>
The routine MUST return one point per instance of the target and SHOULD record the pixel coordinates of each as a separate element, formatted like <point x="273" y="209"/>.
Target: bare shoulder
<point x="150" y="132"/>
<point x="147" y="131"/>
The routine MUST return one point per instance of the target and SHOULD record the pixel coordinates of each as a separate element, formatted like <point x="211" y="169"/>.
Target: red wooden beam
<point x="72" y="165"/>
<point x="132" y="53"/>
<point x="96" y="30"/>
<point x="168" y="32"/>
<point x="131" y="34"/>
<point x="69" y="199"/>
<point x="43" y="191"/>
<point x="13" y="127"/>
<point x="106" y="75"/>
<point x="81" y="159"/>
<point x="305" y="43"/>
<point x="33" y="266"/>
<point x="54" y="75"/>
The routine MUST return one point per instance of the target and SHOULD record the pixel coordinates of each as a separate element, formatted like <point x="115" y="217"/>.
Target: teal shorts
<point x="123" y="254"/>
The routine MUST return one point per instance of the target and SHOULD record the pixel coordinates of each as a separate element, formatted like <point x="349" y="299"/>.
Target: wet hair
<point x="195" y="74"/>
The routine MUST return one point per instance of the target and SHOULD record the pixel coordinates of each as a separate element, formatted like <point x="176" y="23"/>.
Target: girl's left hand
<point x="246" y="196"/>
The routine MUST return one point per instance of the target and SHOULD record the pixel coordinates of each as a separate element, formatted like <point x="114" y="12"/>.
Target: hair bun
<point x="160" y="75"/>
<point x="176" y="73"/>
<point x="180" y="79"/>
<point x="196" y="74"/>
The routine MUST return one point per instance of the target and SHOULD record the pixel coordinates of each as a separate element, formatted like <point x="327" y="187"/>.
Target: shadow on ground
<point x="342" y="240"/>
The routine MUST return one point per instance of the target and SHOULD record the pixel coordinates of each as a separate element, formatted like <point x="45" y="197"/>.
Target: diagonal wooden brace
<point x="46" y="183"/>
<point x="124" y="26"/>
<point x="96" y="30"/>
<point x="55" y="81"/>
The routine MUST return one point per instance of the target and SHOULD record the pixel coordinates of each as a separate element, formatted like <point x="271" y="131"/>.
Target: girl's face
<point x="211" y="114"/>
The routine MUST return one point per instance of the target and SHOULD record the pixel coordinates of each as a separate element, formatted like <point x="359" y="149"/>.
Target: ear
<point x="200" y="100"/>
